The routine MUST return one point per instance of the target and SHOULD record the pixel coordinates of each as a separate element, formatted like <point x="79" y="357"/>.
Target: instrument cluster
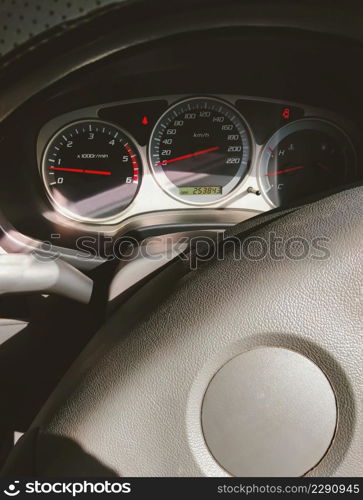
<point x="103" y="164"/>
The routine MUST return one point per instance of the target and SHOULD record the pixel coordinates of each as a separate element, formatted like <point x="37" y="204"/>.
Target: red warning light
<point x="145" y="121"/>
<point x="286" y="113"/>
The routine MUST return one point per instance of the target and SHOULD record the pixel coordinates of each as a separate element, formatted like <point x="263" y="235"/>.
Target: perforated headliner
<point x="21" y="20"/>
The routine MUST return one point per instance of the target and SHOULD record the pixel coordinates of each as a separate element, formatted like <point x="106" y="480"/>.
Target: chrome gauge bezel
<point x="63" y="210"/>
<point x="247" y="154"/>
<point x="315" y="123"/>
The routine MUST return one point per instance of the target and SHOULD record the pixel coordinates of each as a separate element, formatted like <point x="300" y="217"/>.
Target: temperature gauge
<point x="305" y="157"/>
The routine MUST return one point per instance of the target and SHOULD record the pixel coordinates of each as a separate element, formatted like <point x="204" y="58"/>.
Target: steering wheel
<point x="249" y="365"/>
<point x="133" y="403"/>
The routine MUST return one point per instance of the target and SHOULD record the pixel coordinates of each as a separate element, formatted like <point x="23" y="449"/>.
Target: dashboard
<point x="170" y="136"/>
<point x="103" y="164"/>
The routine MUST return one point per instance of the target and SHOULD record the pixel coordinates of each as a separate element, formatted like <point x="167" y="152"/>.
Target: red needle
<point x="80" y="171"/>
<point x="184" y="157"/>
<point x="284" y="171"/>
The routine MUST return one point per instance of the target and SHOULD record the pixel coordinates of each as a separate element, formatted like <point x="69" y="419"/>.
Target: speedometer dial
<point x="91" y="170"/>
<point x="200" y="150"/>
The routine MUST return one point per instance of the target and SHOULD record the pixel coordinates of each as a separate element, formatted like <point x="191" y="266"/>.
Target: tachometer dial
<point x="200" y="150"/>
<point x="91" y="170"/>
<point x="305" y="157"/>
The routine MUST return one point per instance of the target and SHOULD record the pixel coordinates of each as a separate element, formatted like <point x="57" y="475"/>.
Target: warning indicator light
<point x="145" y="120"/>
<point x="286" y="113"/>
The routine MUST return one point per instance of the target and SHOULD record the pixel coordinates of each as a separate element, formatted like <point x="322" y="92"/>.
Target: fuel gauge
<point x="305" y="157"/>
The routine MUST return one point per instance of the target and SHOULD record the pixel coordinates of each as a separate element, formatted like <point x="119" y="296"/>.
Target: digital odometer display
<point x="200" y="150"/>
<point x="187" y="190"/>
<point x="91" y="170"/>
